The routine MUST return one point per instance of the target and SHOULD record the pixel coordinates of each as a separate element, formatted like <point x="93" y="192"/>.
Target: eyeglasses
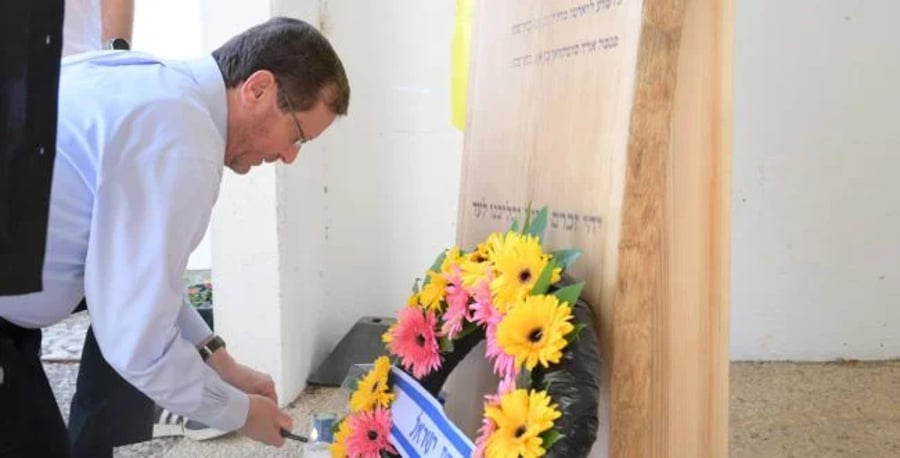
<point x="302" y="137"/>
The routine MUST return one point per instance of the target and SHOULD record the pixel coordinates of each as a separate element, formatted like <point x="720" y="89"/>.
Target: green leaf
<point x="337" y="425"/>
<point x="467" y="329"/>
<point x="573" y="336"/>
<point x="524" y="378"/>
<point x="446" y="345"/>
<point x="515" y="225"/>
<point x="415" y="288"/>
<point x="543" y="282"/>
<point x="566" y="258"/>
<point x="436" y="267"/>
<point x="539" y="225"/>
<point x="550" y="437"/>
<point x="527" y="218"/>
<point x="570" y="293"/>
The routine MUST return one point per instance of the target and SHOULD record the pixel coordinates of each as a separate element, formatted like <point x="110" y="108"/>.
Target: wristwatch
<point x="117" y="43"/>
<point x="210" y="347"/>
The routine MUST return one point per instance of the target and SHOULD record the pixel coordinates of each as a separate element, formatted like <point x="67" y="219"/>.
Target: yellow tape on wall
<point x="462" y="33"/>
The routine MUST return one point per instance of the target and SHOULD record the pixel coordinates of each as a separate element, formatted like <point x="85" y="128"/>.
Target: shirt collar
<point x="212" y="88"/>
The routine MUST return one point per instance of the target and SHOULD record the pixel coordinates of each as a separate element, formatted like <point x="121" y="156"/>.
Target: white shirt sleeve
<point x="193" y="327"/>
<point x="150" y="212"/>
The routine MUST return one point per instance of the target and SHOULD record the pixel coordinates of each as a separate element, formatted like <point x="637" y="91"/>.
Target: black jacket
<point x="30" y="49"/>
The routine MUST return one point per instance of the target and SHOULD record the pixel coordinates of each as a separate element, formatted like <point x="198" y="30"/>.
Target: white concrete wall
<point x="301" y="234"/>
<point x="172" y="29"/>
<point x="392" y="167"/>
<point x="816" y="225"/>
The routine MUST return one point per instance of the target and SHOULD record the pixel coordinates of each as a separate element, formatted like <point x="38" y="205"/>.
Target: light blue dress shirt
<point x="139" y="159"/>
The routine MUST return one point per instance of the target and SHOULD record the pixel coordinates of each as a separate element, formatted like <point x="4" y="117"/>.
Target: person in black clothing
<point x="30" y="48"/>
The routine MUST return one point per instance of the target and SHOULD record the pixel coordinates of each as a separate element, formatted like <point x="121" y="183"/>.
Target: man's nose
<point x="288" y="155"/>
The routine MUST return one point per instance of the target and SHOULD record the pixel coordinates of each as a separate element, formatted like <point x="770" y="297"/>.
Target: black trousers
<point x="106" y="411"/>
<point x="30" y="422"/>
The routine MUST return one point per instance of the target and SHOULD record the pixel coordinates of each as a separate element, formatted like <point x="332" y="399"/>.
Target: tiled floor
<point x="815" y="410"/>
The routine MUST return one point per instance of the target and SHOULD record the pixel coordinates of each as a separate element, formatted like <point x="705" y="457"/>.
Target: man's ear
<point x="258" y="88"/>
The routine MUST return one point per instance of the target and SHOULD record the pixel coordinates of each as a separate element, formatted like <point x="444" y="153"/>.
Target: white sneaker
<point x="200" y="432"/>
<point x="166" y="423"/>
<point x="169" y="424"/>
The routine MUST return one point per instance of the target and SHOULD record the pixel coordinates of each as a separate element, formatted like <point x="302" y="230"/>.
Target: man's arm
<point x="146" y="215"/>
<point x="194" y="328"/>
<point x="150" y="212"/>
<point x="118" y="19"/>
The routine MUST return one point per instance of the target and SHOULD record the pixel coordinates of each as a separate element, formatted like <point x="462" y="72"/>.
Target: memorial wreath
<point x="539" y="337"/>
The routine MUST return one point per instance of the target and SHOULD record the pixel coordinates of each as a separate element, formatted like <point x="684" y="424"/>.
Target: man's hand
<point x="251" y="381"/>
<point x="248" y="380"/>
<point x="264" y="421"/>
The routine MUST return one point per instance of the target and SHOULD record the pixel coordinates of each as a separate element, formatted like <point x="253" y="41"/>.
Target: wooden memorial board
<point x="616" y="114"/>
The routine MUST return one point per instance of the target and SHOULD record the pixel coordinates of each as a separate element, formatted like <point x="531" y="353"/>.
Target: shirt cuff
<point x="223" y="407"/>
<point x="192" y="326"/>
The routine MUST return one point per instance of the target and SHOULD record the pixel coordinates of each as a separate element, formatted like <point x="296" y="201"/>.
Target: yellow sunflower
<point x="520" y="418"/>
<point x="373" y="389"/>
<point x="453" y="258"/>
<point x="388" y="335"/>
<point x="535" y="330"/>
<point x="519" y="264"/>
<point x="413" y="300"/>
<point x="339" y="447"/>
<point x="473" y="271"/>
<point x="476" y="264"/>
<point x="433" y="293"/>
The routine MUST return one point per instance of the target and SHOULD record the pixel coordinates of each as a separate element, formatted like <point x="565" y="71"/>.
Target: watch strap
<point x="118" y="43"/>
<point x="210" y="347"/>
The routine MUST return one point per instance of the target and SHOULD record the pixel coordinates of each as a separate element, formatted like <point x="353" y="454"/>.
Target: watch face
<point x="120" y="43"/>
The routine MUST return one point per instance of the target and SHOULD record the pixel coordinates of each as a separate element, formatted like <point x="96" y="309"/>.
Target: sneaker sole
<point x="204" y="434"/>
<point x="162" y="430"/>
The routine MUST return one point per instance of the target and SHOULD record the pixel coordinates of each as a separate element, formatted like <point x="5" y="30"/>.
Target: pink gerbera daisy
<point x="415" y="342"/>
<point x="504" y="364"/>
<point x="483" y="311"/>
<point x="488" y="426"/>
<point x="457" y="305"/>
<point x="369" y="434"/>
<point x="484" y="433"/>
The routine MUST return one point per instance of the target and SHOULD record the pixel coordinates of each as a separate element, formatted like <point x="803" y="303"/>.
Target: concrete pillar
<point x="266" y="234"/>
